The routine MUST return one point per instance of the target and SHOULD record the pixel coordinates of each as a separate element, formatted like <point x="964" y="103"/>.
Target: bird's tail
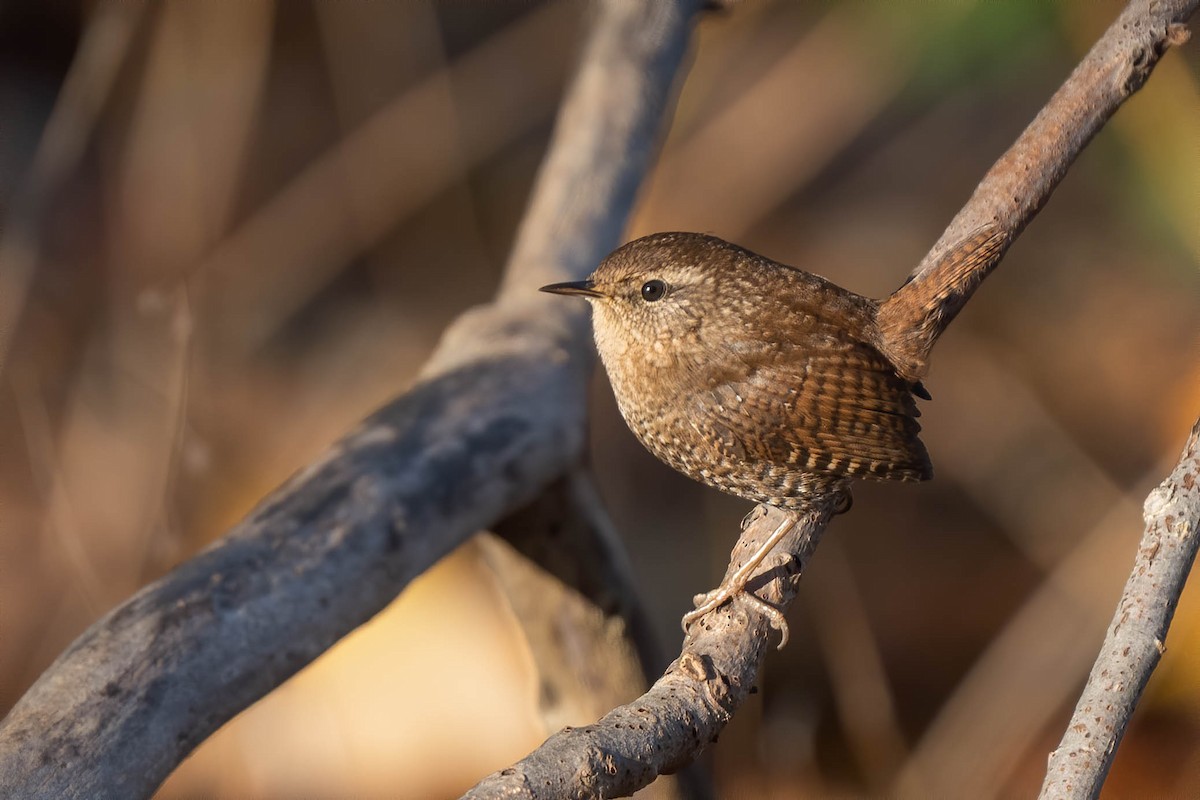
<point x="917" y="313"/>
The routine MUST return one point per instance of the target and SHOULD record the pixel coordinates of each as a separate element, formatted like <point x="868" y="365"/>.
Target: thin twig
<point x="1020" y="183"/>
<point x="1046" y="646"/>
<point x="1136" y="637"/>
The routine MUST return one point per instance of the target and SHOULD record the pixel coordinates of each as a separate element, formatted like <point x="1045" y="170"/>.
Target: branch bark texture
<point x="1020" y="183"/>
<point x="1136" y="637"/>
<point x="498" y="413"/>
<point x="687" y="707"/>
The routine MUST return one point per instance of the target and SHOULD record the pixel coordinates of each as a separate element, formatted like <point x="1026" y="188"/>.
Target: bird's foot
<point x="727" y="591"/>
<point x="735" y="585"/>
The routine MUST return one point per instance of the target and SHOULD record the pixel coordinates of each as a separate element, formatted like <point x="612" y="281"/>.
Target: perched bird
<point x="756" y="378"/>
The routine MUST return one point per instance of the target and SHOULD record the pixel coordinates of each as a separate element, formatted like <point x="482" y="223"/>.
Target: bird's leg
<point x="736" y="584"/>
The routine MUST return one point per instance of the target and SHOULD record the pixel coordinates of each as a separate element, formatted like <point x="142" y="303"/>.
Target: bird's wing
<point x="829" y="405"/>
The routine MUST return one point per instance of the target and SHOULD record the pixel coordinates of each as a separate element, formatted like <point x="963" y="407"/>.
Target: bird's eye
<point x="653" y="290"/>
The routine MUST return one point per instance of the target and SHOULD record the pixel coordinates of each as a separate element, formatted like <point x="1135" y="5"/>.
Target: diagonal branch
<point x="1020" y="183"/>
<point x="496" y="415"/>
<point x="1135" y="640"/>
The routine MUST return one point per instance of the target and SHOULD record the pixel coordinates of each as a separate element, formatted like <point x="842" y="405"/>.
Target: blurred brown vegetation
<point x="271" y="211"/>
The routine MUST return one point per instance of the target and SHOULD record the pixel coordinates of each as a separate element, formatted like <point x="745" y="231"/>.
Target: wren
<point x="756" y="378"/>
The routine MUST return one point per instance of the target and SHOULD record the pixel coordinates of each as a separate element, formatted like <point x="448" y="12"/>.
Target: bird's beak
<point x="581" y="288"/>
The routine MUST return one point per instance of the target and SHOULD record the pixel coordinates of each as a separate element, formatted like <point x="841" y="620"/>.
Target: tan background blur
<point x="279" y="207"/>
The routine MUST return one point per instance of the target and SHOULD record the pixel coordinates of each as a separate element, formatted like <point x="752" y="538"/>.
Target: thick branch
<point x="497" y="414"/>
<point x="1135" y="640"/>
<point x="1020" y="183"/>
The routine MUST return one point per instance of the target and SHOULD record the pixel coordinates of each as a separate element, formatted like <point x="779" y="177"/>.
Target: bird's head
<point x="653" y="297"/>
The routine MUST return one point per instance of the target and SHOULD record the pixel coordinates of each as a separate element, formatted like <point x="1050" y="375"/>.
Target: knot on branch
<point x="1158" y="502"/>
<point x="714" y="686"/>
<point x="1177" y="34"/>
<point x="1142" y="61"/>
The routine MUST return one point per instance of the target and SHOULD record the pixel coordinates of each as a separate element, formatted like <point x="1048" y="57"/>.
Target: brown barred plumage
<point x="756" y="378"/>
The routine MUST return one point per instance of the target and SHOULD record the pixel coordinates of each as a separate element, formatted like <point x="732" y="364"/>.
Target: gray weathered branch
<point x="1136" y="637"/>
<point x="496" y="415"/>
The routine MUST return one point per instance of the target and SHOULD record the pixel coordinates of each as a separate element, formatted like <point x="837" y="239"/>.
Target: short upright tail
<point x="912" y="319"/>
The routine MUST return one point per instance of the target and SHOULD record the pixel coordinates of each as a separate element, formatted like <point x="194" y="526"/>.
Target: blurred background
<point x="233" y="230"/>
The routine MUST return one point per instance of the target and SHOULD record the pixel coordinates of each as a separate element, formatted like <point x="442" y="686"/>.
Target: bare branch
<point x="686" y="708"/>
<point x="1020" y="183"/>
<point x="1135" y="640"/>
<point x="496" y="415"/>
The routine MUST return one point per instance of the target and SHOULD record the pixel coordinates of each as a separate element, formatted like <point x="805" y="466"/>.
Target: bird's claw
<point x="713" y="600"/>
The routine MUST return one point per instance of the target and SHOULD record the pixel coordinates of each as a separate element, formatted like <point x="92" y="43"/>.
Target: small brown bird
<point x="751" y="376"/>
